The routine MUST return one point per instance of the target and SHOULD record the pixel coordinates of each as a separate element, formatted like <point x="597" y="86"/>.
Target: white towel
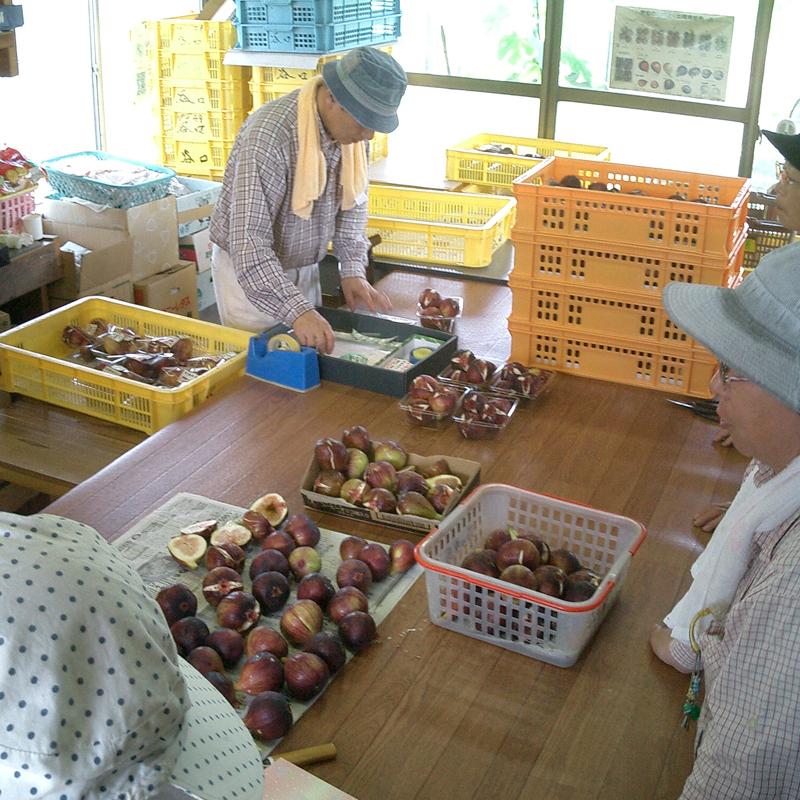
<point x="720" y="567"/>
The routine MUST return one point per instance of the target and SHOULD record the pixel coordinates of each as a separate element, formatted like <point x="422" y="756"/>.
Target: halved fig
<point x="187" y="549"/>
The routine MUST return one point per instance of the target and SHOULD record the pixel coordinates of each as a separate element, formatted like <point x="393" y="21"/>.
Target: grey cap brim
<point x="362" y="115"/>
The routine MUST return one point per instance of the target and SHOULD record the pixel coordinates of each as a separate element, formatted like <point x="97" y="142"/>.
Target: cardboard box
<point x="117" y="289"/>
<point x="196" y="247"/>
<point x="91" y="257"/>
<point x="468" y="471"/>
<point x="377" y="378"/>
<point x="194" y="210"/>
<point x="174" y="291"/>
<point x="205" y="290"/>
<point x="152" y="226"/>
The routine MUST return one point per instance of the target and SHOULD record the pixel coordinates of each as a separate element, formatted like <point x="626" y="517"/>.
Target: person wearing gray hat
<point x="787" y="189"/>
<point x="739" y="622"/>
<point x="296" y="181"/>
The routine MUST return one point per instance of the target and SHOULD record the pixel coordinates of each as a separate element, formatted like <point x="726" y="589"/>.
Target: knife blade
<point x="308" y="755"/>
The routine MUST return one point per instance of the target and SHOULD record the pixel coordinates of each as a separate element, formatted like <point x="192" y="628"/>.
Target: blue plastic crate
<point x="319" y="38"/>
<point x="68" y="185"/>
<point x="311" y="12"/>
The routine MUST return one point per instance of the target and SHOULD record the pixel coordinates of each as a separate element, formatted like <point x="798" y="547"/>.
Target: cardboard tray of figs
<point x="468" y="471"/>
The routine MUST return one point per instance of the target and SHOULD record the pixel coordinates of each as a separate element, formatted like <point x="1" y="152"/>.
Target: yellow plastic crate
<point x="467" y="163"/>
<point x="266" y="93"/>
<point x="198" y="67"/>
<point x="378" y="147"/>
<point x="189" y="157"/>
<point x="32" y="363"/>
<point x="290" y="78"/>
<point x="649" y="218"/>
<point x="652" y="366"/>
<point x="176" y="95"/>
<point x="188" y="34"/>
<point x="438" y="227"/>
<point x="763" y="236"/>
<point x="200" y="126"/>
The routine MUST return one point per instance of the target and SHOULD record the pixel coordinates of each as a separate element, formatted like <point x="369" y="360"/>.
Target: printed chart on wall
<point x="671" y="52"/>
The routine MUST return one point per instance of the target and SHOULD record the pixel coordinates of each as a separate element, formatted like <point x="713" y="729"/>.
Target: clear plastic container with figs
<point x="518" y="382"/>
<point x="443" y="317"/>
<point x="434" y="413"/>
<point x="482" y="415"/>
<point x="468" y="371"/>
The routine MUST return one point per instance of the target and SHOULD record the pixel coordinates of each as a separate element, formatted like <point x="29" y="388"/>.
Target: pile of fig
<point x="380" y="477"/>
<point x="481" y="415"/>
<point x="270" y="599"/>
<point x="574" y="182"/>
<point x="164" y="361"/>
<point x="466" y="369"/>
<point x="437" y="312"/>
<point x="429" y="400"/>
<point x="515" y="379"/>
<point x="524" y="559"/>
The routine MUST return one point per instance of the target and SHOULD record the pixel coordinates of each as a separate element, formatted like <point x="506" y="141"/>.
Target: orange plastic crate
<point x="575" y="264"/>
<point x="650" y="219"/>
<point x="652" y="366"/>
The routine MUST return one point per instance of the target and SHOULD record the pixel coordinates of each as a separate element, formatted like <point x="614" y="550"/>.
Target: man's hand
<point x="313" y="330"/>
<point x="356" y="289"/>
<point x="709" y="517"/>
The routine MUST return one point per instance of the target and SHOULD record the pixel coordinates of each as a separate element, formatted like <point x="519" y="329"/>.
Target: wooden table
<point x="429" y="713"/>
<point x="31" y="268"/>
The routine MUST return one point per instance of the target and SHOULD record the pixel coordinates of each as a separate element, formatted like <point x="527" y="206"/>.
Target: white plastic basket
<point x="509" y="616"/>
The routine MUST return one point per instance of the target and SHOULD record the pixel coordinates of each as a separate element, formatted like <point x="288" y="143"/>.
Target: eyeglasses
<point x="725" y="376"/>
<point x="782" y="175"/>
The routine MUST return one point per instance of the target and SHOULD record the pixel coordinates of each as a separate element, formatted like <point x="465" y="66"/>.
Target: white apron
<point x="236" y="311"/>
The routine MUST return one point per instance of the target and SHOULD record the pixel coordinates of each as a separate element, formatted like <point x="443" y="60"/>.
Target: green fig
<point x="417" y="505"/>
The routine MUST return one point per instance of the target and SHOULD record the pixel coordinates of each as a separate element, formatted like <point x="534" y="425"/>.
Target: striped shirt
<point x="253" y="219"/>
<point x="748" y="738"/>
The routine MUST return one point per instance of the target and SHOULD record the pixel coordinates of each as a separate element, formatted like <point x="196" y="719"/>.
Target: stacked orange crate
<point x="589" y="267"/>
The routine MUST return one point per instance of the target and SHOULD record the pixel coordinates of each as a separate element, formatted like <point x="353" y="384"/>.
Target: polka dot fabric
<point x="94" y="701"/>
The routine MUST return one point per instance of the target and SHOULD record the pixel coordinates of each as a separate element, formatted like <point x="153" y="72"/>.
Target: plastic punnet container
<point x="509" y="616"/>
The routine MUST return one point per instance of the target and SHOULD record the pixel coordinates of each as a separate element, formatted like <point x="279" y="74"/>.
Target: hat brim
<point x="787" y="145"/>
<point x="716" y="317"/>
<point x="362" y="115"/>
<point x="219" y="758"/>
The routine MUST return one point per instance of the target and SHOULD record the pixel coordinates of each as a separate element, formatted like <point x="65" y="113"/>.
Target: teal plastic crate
<point x="311" y="12"/>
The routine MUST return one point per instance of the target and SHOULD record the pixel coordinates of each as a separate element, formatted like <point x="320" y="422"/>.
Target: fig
<point x="401" y="554"/>
<point x="462" y="359"/>
<point x="354" y="490"/>
<point x="347" y="599"/>
<point x="258" y="525"/>
<point x="205" y="659"/>
<point x="571" y="181"/>
<point x="565" y="560"/>
<point x="329" y="482"/>
<point x="303" y="561"/>
<point x="440" y="496"/>
<point x="238" y="610"/>
<point x="269" y="561"/>
<point x="329" y="648"/>
<point x="519" y="575"/>
<point x="437" y="467"/>
<point x="301" y="621"/>
<point x="449" y="307"/>
<point x="272" y="590"/>
<point x="442" y="402"/>
<point x="303" y="530"/>
<point x="280" y="541"/>
<point x="379" y="499"/>
<point x="585" y="574"/>
<point x="480" y="371"/>
<point x="351" y="546"/>
<point x="228" y="643"/>
<point x="551" y="580"/>
<point x="306" y="675"/>
<point x="272" y="506"/>
<point x="497" y="538"/>
<point x="484" y="562"/>
<point x="445" y="477"/>
<point x="423" y="387"/>
<point x="417" y="505"/>
<point x="265" y="639"/>
<point x="377" y="559"/>
<point x="518" y="551"/>
<point x="331" y="454"/>
<point x="317" y="587"/>
<point x="187" y="549"/>
<point x="578" y="591"/>
<point x="262" y="672"/>
<point x="391" y="452"/>
<point x="176" y="601"/>
<point x="225" y="686"/>
<point x="381" y="475"/>
<point x="219" y="582"/>
<point x="357" y="461"/>
<point x="182" y="347"/>
<point x="429" y="297"/>
<point x="354" y="573"/>
<point x="226" y="554"/>
<point x="356" y="437"/>
<point x="75" y="336"/>
<point x="541" y="545"/>
<point x="204" y="528"/>
<point x="411" y="481"/>
<point x="188" y="633"/>
<point x="268" y="716"/>
<point x="232" y="532"/>
<point x="357" y="630"/>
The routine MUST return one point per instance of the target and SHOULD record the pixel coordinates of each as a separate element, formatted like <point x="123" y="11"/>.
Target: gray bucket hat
<point x="368" y="84"/>
<point x="754" y="328"/>
<point x="97" y="703"/>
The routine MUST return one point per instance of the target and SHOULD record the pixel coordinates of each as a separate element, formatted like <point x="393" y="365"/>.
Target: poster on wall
<point x="671" y="52"/>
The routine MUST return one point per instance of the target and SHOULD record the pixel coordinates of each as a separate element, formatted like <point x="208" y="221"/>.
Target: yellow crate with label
<point x="194" y="158"/>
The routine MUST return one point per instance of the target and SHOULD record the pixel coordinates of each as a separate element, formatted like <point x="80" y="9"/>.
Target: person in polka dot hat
<point x="94" y="700"/>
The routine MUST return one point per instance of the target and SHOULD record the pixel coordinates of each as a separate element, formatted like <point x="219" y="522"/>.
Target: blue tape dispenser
<point x="283" y="361"/>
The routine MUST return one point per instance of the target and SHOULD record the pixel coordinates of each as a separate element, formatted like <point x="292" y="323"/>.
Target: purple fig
<point x="329" y="482"/>
<point x="354" y="490"/>
<point x="356" y="437"/>
<point x="331" y="454"/>
<point x="380" y="500"/>
<point x="381" y="475"/>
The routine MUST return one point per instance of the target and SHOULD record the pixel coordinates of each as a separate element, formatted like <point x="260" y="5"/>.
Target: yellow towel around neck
<point x="310" y="174"/>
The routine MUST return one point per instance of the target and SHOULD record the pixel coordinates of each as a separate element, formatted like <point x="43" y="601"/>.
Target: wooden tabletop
<point x="430" y="713"/>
